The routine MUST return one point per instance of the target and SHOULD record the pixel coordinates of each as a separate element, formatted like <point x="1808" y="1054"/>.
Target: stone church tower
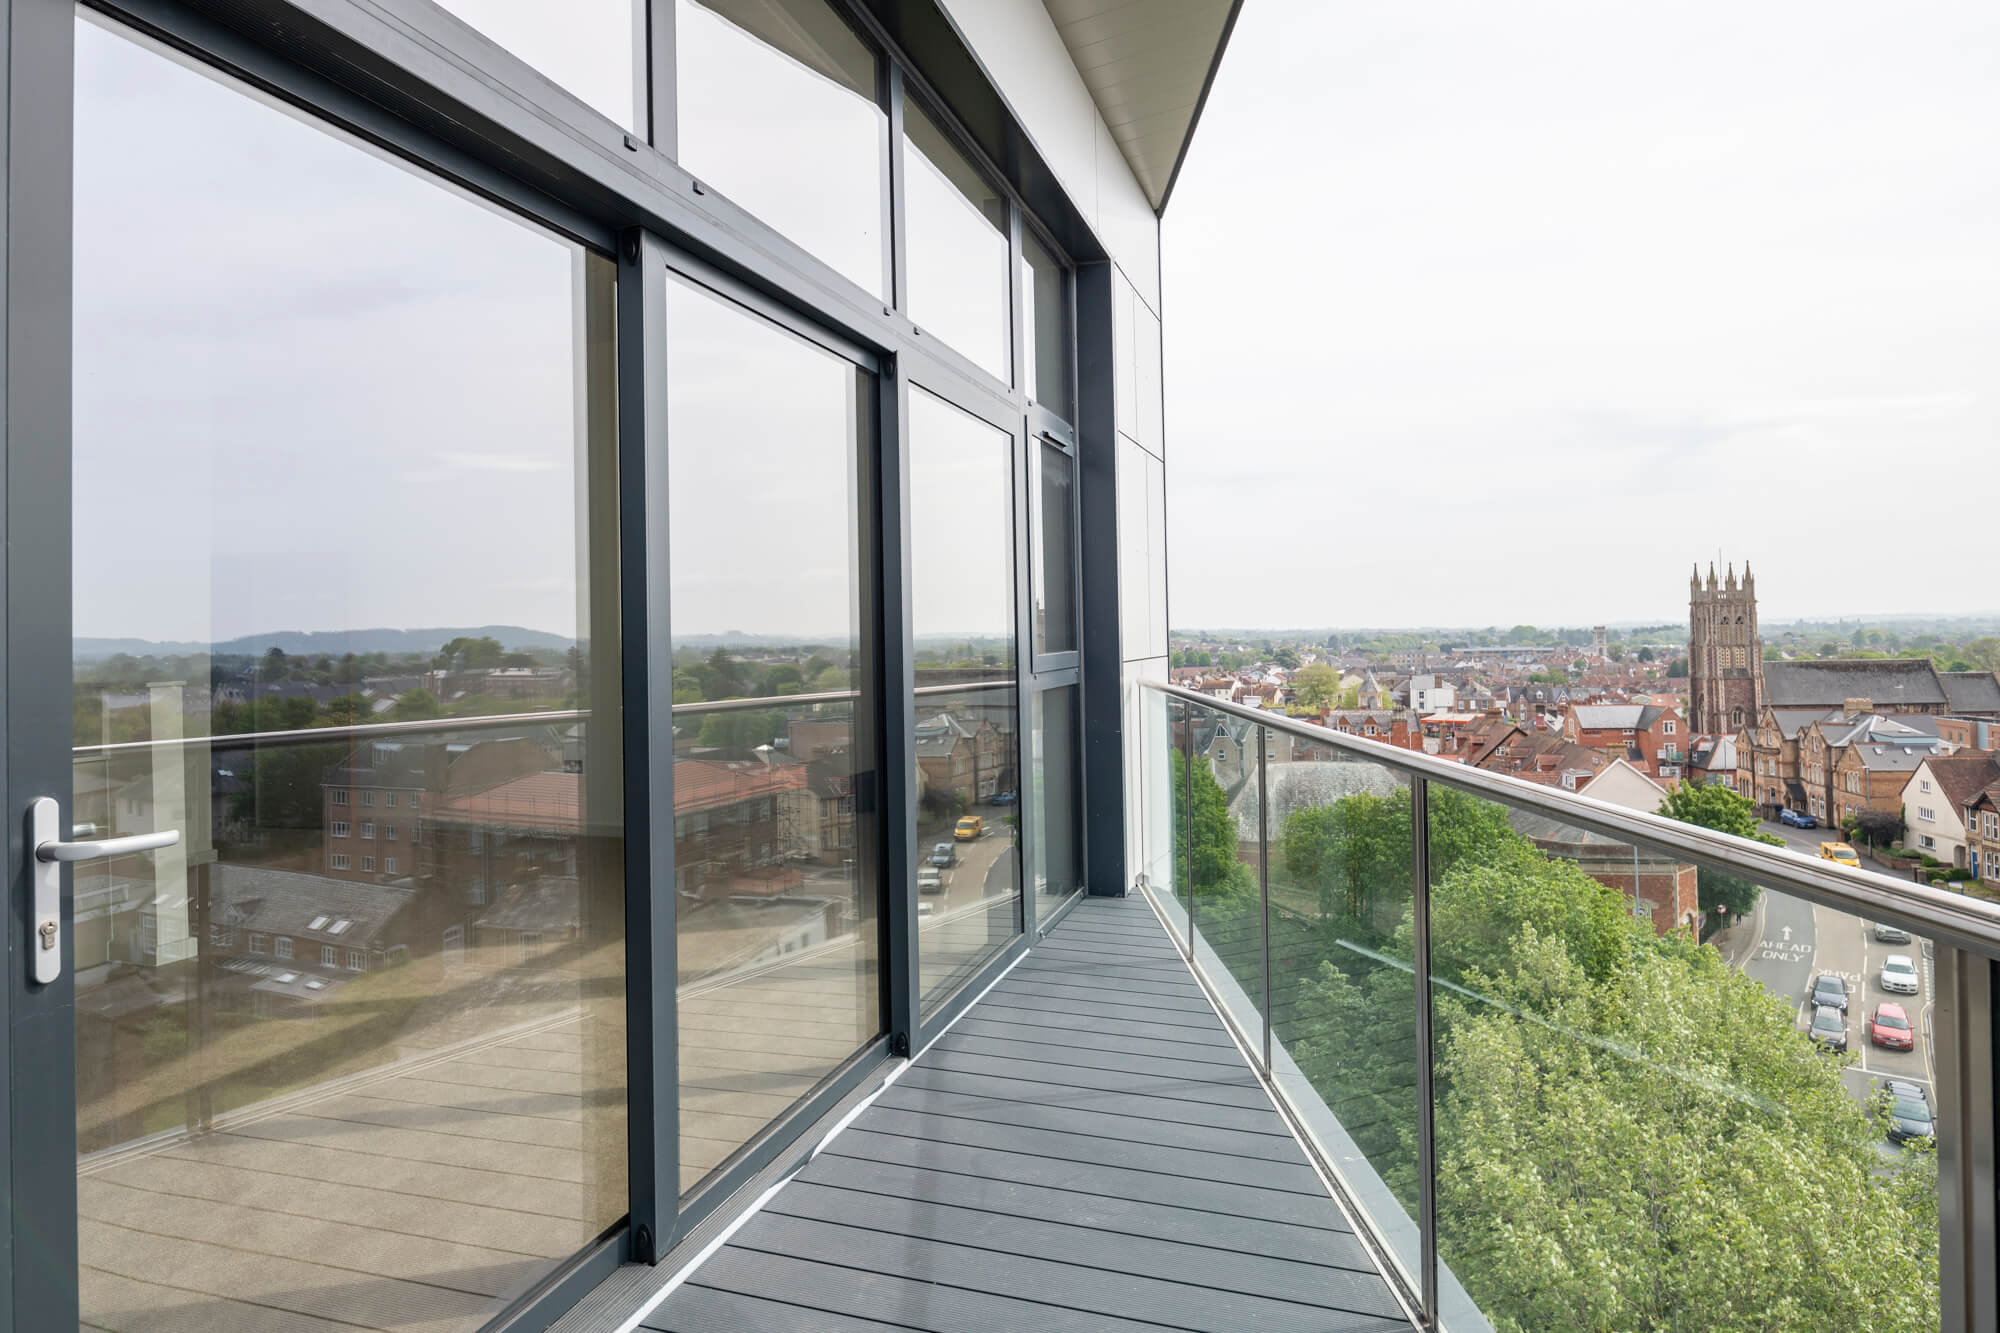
<point x="1725" y="653"/>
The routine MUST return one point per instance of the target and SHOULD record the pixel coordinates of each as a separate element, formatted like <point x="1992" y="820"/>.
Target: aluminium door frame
<point x="482" y="119"/>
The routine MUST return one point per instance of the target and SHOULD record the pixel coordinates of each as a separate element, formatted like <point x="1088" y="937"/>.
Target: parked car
<point x="1005" y="798"/>
<point x="1909" y="1112"/>
<point x="1828" y="1028"/>
<point x="930" y="879"/>
<point x="1829" y="991"/>
<point x="1797" y="820"/>
<point x="1890" y="1027"/>
<point x="1888" y="934"/>
<point x="1899" y="974"/>
<point x="925" y="910"/>
<point x="944" y="854"/>
<point x="1839" y="853"/>
<point x="968" y="828"/>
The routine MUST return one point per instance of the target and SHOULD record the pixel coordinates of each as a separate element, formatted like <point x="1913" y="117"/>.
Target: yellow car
<point x="1841" y="852"/>
<point x="968" y="828"/>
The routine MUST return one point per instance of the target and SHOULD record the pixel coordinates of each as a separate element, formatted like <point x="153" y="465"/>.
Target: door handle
<point x="45" y="820"/>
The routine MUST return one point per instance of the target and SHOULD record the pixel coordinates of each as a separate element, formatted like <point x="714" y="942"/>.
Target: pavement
<point x="1787" y="943"/>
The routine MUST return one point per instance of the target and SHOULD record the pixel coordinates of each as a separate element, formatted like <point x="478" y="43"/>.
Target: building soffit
<point x="1148" y="65"/>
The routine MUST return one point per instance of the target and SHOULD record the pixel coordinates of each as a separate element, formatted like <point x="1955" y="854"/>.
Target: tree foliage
<point x="1317" y="687"/>
<point x="1630" y="1134"/>
<point x="1726" y="811"/>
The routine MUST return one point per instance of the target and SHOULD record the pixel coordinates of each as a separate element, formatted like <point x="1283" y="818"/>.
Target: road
<point x="983" y="869"/>
<point x="1795" y="942"/>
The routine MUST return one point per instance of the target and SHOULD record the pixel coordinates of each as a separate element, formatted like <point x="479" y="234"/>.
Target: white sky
<point x="1518" y="310"/>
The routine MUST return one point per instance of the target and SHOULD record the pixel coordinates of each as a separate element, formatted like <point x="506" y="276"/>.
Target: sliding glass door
<point x="349" y="1011"/>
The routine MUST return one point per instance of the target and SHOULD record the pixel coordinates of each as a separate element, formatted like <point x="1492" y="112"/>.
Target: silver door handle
<point x="100" y="848"/>
<point x="45" y="824"/>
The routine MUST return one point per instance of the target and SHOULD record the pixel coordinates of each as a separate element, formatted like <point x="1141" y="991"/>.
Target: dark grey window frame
<point x="418" y="82"/>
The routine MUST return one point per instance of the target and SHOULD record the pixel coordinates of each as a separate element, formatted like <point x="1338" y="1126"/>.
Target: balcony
<point x="1381" y="1041"/>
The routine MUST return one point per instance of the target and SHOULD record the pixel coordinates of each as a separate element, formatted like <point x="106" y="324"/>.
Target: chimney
<point x="1852" y="706"/>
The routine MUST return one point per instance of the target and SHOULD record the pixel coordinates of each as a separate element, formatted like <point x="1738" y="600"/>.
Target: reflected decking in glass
<point x="967" y="706"/>
<point x="352" y="1052"/>
<point x="775" y="862"/>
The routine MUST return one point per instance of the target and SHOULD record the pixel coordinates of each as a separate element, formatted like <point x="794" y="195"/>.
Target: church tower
<point x="1725" y="653"/>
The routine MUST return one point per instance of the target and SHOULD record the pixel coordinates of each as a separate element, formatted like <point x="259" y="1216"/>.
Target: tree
<point x="742" y="729"/>
<point x="1287" y="657"/>
<point x="784" y="679"/>
<point x="830" y="680"/>
<point x="1646" y="655"/>
<point x="1879" y="827"/>
<point x="1983" y="653"/>
<point x="469" y="654"/>
<point x="1317" y="686"/>
<point x="346" y="711"/>
<point x="415" y="705"/>
<point x="1216" y="865"/>
<point x="1659" y="1145"/>
<point x="1677" y="669"/>
<point x="1726" y="811"/>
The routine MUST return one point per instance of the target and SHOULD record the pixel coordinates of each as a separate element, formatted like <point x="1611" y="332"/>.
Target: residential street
<point x="1790" y="942"/>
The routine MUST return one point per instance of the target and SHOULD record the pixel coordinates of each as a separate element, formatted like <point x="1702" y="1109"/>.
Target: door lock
<point x="44" y="826"/>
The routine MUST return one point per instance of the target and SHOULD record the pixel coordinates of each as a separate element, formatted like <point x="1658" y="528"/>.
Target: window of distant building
<point x="338" y="828"/>
<point x="284" y="949"/>
<point x="367" y="863"/>
<point x="367" y="798"/>
<point x="257" y="942"/>
<point x="340" y="798"/>
<point x="340" y="860"/>
<point x="329" y="956"/>
<point x="388" y="865"/>
<point x="357" y="961"/>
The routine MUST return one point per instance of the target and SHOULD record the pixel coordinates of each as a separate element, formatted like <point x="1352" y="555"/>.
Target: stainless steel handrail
<point x="1947" y="917"/>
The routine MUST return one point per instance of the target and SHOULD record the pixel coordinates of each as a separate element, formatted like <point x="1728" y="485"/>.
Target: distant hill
<point x="325" y="643"/>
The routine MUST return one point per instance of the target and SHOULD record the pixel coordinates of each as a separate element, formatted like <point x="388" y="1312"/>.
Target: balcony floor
<point x="1084" y="1149"/>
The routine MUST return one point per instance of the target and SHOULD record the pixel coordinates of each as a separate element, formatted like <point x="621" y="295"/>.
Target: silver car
<point x="1899" y="974"/>
<point x="1829" y="1028"/>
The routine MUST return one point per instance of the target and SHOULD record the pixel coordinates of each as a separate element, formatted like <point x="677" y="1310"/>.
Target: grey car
<point x="1909" y="1112"/>
<point x="1828" y="1028"/>
<point x="1888" y="934"/>
<point x="1829" y="990"/>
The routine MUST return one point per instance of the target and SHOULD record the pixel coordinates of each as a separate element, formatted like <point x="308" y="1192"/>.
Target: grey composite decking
<point x="1084" y="1149"/>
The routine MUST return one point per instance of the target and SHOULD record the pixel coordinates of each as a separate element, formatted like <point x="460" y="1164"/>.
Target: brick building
<point x="1650" y="738"/>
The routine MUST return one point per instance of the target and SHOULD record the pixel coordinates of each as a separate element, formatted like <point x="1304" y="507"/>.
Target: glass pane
<point x="774" y="863"/>
<point x="594" y="48"/>
<point x="354" y="1050"/>
<point x="1057" y="848"/>
<point x="778" y="111"/>
<point x="1055" y="556"/>
<point x="1343" y="1017"/>
<point x="1218" y="861"/>
<point x="967" y="706"/>
<point x="1600" y="1073"/>
<point x="957" y="247"/>
<point x="1045" y="307"/>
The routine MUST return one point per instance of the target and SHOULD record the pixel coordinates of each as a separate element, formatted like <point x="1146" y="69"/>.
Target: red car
<point x="1891" y="1027"/>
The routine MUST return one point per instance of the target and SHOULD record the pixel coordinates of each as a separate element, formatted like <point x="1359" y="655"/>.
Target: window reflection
<point x="957" y="248"/>
<point x="1045" y="375"/>
<point x="967" y="708"/>
<point x="594" y="48"/>
<point x="774" y="853"/>
<point x="354" y="1047"/>
<point x="778" y="110"/>
<point x="1058" y="852"/>
<point x="1055" y="553"/>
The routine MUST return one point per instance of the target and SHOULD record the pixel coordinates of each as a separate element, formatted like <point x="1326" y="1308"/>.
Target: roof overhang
<point x="1148" y="65"/>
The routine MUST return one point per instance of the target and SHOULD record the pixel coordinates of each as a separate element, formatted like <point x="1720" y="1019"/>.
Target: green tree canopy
<point x="1726" y="811"/>
<point x="1317" y="686"/>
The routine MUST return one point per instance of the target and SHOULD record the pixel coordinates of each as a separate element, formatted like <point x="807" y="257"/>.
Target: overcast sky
<point x="1484" y="314"/>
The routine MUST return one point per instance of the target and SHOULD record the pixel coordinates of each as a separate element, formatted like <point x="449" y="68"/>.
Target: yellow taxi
<point x="1840" y="852"/>
<point x="969" y="828"/>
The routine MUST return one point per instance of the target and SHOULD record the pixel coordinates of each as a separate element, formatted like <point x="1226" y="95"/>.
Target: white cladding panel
<point x="1016" y="43"/>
